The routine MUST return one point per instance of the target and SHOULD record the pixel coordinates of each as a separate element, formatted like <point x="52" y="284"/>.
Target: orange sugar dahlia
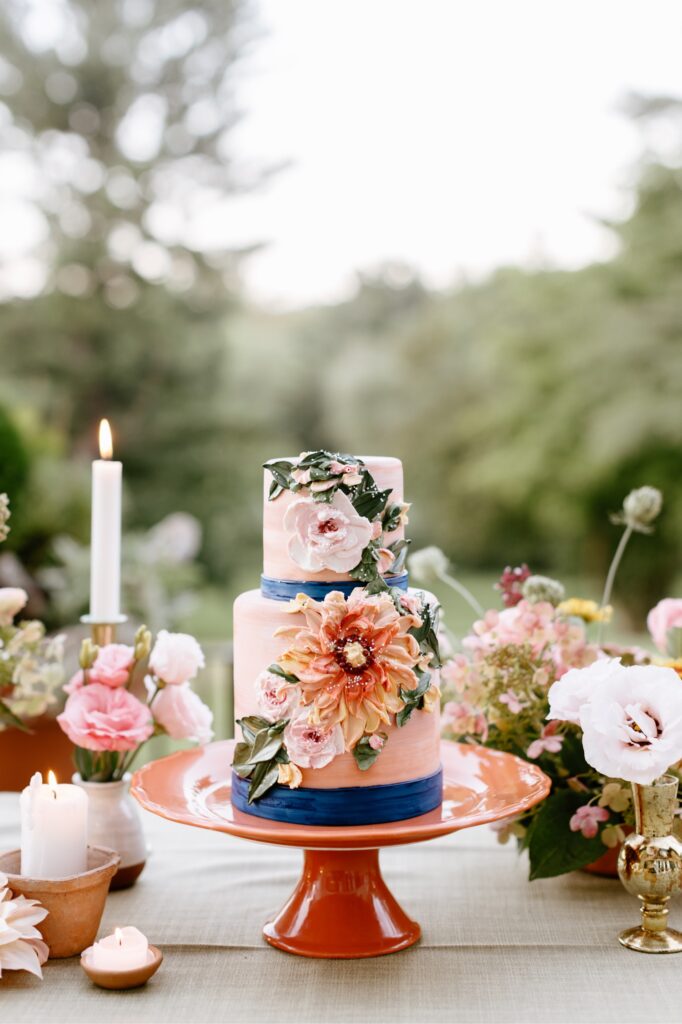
<point x="351" y="657"/>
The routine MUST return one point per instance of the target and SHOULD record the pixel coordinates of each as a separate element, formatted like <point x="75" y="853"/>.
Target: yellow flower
<point x="431" y="698"/>
<point x="589" y="611"/>
<point x="289" y="775"/>
<point x="298" y="604"/>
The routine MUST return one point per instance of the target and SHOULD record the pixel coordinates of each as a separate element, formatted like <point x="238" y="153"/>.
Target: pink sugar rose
<point x="586" y="820"/>
<point x="97" y="717"/>
<point x="309" y="745"/>
<point x="183" y="714"/>
<point x="275" y="696"/>
<point x="666" y="616"/>
<point x="112" y="665"/>
<point x="376" y="742"/>
<point x="326" y="535"/>
<point x="176" y="657"/>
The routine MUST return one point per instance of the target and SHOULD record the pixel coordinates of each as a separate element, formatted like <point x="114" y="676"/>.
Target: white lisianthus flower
<point x="176" y="657"/>
<point x="632" y="726"/>
<point x="577" y="687"/>
<point x="12" y="600"/>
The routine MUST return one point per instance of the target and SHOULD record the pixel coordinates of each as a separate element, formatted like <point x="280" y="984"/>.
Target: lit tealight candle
<point x="105" y="539"/>
<point x="54" y="826"/>
<point x="126" y="950"/>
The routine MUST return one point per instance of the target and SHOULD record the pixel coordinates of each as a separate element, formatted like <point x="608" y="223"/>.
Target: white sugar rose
<point x="309" y="745"/>
<point x="176" y="657"/>
<point x="12" y="600"/>
<point x="326" y="536"/>
<point x="275" y="696"/>
<point x="577" y="687"/>
<point x="632" y="726"/>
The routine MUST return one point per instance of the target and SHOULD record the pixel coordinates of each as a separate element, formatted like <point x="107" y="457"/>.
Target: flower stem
<point x="611" y="575"/>
<point x="462" y="591"/>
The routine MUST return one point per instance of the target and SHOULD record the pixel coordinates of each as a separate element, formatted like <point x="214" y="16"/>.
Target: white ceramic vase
<point x="114" y="821"/>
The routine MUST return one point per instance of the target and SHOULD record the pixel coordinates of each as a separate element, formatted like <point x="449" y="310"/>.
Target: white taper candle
<point x="105" y="542"/>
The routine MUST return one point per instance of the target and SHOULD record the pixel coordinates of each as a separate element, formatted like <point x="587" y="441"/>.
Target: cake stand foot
<point x="341" y="909"/>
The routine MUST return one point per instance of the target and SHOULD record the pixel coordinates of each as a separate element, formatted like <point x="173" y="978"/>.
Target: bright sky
<point x="451" y="135"/>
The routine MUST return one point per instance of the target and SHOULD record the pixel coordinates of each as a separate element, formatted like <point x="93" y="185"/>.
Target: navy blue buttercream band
<point x="286" y="590"/>
<point x="349" y="805"/>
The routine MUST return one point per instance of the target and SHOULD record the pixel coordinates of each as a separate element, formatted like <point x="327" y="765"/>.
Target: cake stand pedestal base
<point x="341" y="909"/>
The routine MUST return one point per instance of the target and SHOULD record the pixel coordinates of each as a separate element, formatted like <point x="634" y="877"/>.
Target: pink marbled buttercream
<point x="277" y="562"/>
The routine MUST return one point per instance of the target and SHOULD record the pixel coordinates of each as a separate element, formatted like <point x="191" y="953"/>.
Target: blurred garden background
<point x="525" y="396"/>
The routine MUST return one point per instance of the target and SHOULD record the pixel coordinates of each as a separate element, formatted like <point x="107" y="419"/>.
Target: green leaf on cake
<point x="251" y="725"/>
<point x="552" y="847"/>
<point x="426" y="635"/>
<point x="277" y="670"/>
<point x="260" y="753"/>
<point x="399" y="549"/>
<point x="365" y="754"/>
<point x="264" y="777"/>
<point x="413" y="699"/>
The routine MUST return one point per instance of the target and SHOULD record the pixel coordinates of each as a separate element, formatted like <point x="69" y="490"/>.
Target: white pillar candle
<point x="125" y="950"/>
<point x="105" y="542"/>
<point x="54" y="829"/>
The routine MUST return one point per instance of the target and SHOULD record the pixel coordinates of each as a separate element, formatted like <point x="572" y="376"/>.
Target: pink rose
<point x="666" y="616"/>
<point x="112" y="665"/>
<point x="176" y="657"/>
<point x="183" y="714"/>
<point x="100" y="718"/>
<point x="309" y="745"/>
<point x="276" y="697"/>
<point x="326" y="536"/>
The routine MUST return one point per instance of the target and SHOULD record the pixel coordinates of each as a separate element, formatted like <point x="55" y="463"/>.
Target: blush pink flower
<point x="352" y="658"/>
<point x="275" y="696"/>
<point x="112" y="665"/>
<point x="311" y="745"/>
<point x="666" y="616"/>
<point x="512" y="701"/>
<point x="632" y="726"/>
<point x="547" y="743"/>
<point x="376" y="742"/>
<point x="183" y="714"/>
<point x="577" y="687"/>
<point x="326" y="535"/>
<point x="176" y="657"/>
<point x="99" y="718"/>
<point x="385" y="561"/>
<point x="465" y="720"/>
<point x="586" y="820"/>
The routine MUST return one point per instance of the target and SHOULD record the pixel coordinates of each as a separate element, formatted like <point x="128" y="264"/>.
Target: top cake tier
<point x="306" y="537"/>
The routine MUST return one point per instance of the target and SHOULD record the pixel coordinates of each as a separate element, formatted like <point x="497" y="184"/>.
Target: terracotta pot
<point x="44" y="748"/>
<point x="74" y="904"/>
<point x="114" y="821"/>
<point x="606" y="865"/>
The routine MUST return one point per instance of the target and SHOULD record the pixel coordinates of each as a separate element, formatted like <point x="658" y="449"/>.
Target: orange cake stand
<point x="341" y="906"/>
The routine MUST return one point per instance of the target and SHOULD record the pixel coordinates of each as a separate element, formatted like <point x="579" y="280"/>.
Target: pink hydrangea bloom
<point x="586" y="820"/>
<point x="99" y="718"/>
<point x="326" y="535"/>
<point x="309" y="745"/>
<point x="510" y="583"/>
<point x="547" y="743"/>
<point x="512" y="701"/>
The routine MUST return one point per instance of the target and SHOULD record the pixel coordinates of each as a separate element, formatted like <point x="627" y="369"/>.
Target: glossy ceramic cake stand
<point x="341" y="906"/>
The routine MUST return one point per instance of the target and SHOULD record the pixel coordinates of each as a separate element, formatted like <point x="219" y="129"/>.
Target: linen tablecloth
<point x="494" y="948"/>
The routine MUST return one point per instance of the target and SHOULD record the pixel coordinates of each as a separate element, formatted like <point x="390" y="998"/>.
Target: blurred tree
<point x="122" y="114"/>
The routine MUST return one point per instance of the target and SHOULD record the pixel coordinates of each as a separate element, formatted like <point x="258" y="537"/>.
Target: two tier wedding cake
<point x="335" y="658"/>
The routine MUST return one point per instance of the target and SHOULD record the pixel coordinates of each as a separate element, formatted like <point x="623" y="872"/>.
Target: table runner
<point x="494" y="947"/>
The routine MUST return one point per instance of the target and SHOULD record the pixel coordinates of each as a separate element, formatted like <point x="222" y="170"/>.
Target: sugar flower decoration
<point x="21" y="944"/>
<point x="326" y="535"/>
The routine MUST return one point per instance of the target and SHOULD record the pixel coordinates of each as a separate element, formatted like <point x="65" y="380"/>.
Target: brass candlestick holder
<point x="650" y="866"/>
<point x="103" y="633"/>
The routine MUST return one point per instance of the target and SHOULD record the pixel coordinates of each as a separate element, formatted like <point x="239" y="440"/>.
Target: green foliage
<point x="365" y="754"/>
<point x="259" y="754"/>
<point x="552" y="847"/>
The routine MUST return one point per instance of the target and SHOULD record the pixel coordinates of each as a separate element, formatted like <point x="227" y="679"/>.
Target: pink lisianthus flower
<point x="275" y="696"/>
<point x="309" y="745"/>
<point x="76" y="682"/>
<point x="632" y="726"/>
<point x="547" y="743"/>
<point x="183" y="714"/>
<point x="112" y="665"/>
<point x="586" y="820"/>
<point x="326" y="535"/>
<point x="99" y="718"/>
<point x="576" y="687"/>
<point x="666" y="616"/>
<point x="176" y="657"/>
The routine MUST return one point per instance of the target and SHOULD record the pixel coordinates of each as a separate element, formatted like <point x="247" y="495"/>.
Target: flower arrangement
<point x="31" y="665"/>
<point x="123" y="695"/>
<point x="343" y="521"/>
<point x="21" y="944"/>
<point x="536" y="679"/>
<point x="357" y="665"/>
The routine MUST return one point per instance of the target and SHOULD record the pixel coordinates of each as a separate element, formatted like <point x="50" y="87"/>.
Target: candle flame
<point x="119" y="936"/>
<point x="106" y="447"/>
<point x="52" y="783"/>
